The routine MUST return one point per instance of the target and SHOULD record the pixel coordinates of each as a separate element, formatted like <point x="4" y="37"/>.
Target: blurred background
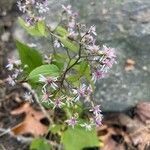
<point x="122" y="24"/>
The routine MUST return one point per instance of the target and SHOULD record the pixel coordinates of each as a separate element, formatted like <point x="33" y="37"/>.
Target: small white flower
<point x="48" y="81"/>
<point x="67" y="9"/>
<point x="92" y="30"/>
<point x="58" y="102"/>
<point x="11" y="81"/>
<point x="46" y="96"/>
<point x="11" y="63"/>
<point x="42" y="8"/>
<point x="86" y="126"/>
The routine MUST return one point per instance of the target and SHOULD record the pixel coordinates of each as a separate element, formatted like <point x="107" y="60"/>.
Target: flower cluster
<point x="15" y="67"/>
<point x="33" y="9"/>
<point x="59" y="91"/>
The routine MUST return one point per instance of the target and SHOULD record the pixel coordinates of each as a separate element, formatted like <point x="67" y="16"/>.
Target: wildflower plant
<point x="64" y="79"/>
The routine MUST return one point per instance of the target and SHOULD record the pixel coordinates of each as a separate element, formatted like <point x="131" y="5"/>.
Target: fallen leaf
<point x="31" y="123"/>
<point x="129" y="65"/>
<point x="142" y="111"/>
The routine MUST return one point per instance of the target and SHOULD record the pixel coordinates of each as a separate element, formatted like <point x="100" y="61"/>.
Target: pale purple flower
<point x="87" y="39"/>
<point x="58" y="102"/>
<point x="98" y="120"/>
<point x="11" y="81"/>
<point x="80" y="92"/>
<point x="96" y="110"/>
<point x="12" y="62"/>
<point x="46" y="95"/>
<point x="67" y="9"/>
<point x="93" y="48"/>
<point x="83" y="91"/>
<point x="48" y="81"/>
<point x="98" y="74"/>
<point x="109" y="62"/>
<point x="72" y="121"/>
<point x="71" y="24"/>
<point x="109" y="52"/>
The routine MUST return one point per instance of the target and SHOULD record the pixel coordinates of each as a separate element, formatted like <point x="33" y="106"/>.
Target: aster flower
<point x="96" y="110"/>
<point x="109" y="62"/>
<point x="93" y="48"/>
<point x="109" y="52"/>
<point x="72" y="121"/>
<point x="42" y="7"/>
<point x="86" y="126"/>
<point x="11" y="63"/>
<point x="58" y="102"/>
<point x="80" y="92"/>
<point x="98" y="74"/>
<point x="83" y="91"/>
<point x="92" y="30"/>
<point x="98" y="120"/>
<point x="46" y="95"/>
<point x="21" y="6"/>
<point x="11" y="80"/>
<point x="67" y="9"/>
<point x="48" y="81"/>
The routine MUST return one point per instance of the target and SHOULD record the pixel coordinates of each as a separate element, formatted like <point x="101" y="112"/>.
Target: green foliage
<point x="45" y="70"/>
<point x="62" y="31"/>
<point x="74" y="47"/>
<point x="74" y="79"/>
<point x="39" y="29"/>
<point x="78" y="138"/>
<point x="29" y="56"/>
<point x="62" y="36"/>
<point x="56" y="128"/>
<point x="40" y="144"/>
<point x="59" y="59"/>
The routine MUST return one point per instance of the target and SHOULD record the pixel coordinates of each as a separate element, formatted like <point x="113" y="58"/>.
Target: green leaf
<point x="74" y="79"/>
<point x="56" y="128"/>
<point x="59" y="60"/>
<point x="46" y="70"/>
<point x="40" y="144"/>
<point x="61" y="31"/>
<point x="71" y="45"/>
<point x="39" y="29"/>
<point x="29" y="56"/>
<point x="74" y="47"/>
<point x="42" y="28"/>
<point x="78" y="138"/>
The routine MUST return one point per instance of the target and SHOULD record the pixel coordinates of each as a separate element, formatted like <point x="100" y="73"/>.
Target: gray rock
<point x="125" y="25"/>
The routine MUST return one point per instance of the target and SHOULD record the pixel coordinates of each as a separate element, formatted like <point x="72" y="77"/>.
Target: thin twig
<point x="26" y="85"/>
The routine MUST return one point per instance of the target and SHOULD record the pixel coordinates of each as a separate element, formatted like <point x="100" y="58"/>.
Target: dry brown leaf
<point x="31" y="123"/>
<point x="129" y="65"/>
<point x="143" y="111"/>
